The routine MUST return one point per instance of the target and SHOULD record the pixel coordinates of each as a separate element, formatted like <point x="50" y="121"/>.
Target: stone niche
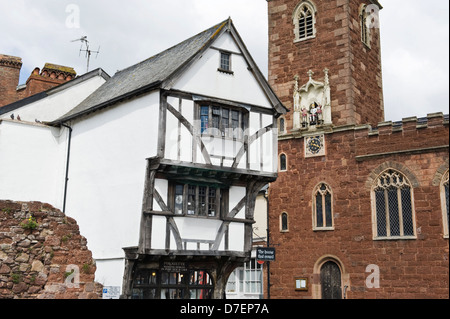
<point x="312" y="103"/>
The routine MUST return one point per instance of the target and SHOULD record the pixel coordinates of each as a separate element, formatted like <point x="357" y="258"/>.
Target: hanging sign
<point x="265" y="254"/>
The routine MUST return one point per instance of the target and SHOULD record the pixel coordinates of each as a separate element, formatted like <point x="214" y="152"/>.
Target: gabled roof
<point x="160" y="71"/>
<point x="42" y="95"/>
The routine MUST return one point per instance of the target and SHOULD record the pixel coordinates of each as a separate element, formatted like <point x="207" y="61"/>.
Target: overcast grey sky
<point x="414" y="35"/>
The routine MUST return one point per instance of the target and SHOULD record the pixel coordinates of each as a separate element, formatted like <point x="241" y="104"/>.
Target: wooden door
<point x="330" y="280"/>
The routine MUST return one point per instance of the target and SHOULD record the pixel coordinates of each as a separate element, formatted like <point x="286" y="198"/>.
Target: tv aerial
<point x="85" y="48"/>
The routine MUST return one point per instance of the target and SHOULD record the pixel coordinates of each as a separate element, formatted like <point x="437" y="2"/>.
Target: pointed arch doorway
<point x="331" y="281"/>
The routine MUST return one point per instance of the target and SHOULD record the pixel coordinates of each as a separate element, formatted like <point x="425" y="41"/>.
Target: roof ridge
<point x="217" y="26"/>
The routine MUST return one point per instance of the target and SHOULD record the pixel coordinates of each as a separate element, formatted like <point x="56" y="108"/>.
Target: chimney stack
<point x="9" y="78"/>
<point x="40" y="80"/>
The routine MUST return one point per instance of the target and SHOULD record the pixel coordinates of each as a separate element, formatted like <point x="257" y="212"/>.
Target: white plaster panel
<point x="197" y="228"/>
<point x="162" y="187"/>
<point x="171" y="137"/>
<point x="159" y="232"/>
<point x="236" y="237"/>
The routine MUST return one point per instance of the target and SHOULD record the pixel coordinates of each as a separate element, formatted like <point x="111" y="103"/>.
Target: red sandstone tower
<point x="360" y="206"/>
<point x="341" y="36"/>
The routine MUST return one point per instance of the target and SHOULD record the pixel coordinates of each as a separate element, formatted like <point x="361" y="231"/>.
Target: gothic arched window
<point x="365" y="30"/>
<point x="323" y="207"/>
<point x="282" y="125"/>
<point x="392" y="206"/>
<point x="284" y="222"/>
<point x="304" y="21"/>
<point x="283" y="163"/>
<point x="445" y="203"/>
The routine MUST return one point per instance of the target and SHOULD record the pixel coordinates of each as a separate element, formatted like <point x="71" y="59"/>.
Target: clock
<point x="315" y="146"/>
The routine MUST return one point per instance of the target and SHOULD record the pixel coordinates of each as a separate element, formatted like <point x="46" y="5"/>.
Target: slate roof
<point x="157" y="71"/>
<point x="147" y="74"/>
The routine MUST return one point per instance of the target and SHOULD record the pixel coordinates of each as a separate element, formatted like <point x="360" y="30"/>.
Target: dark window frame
<point x="323" y="207"/>
<point x="222" y="121"/>
<point x="225" y="64"/>
<point x="209" y="200"/>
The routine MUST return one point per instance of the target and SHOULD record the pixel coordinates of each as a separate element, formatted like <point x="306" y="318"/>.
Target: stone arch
<point x="440" y="173"/>
<point x="316" y="285"/>
<point x="392" y="165"/>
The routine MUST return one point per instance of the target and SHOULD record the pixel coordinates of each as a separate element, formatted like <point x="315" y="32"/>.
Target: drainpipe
<point x="67" y="166"/>
<point x="268" y="243"/>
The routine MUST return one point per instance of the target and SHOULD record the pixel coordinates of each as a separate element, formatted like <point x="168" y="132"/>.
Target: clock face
<point x="315" y="146"/>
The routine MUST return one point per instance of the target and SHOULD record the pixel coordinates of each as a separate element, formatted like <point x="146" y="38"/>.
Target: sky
<point x="414" y="39"/>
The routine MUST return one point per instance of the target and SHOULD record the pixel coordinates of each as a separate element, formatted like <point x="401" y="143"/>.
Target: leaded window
<point x="393" y="206"/>
<point x="323" y="207"/>
<point x="219" y="121"/>
<point x="284" y="221"/>
<point x="225" y="61"/>
<point x="196" y="200"/>
<point x="282" y="126"/>
<point x="283" y="163"/>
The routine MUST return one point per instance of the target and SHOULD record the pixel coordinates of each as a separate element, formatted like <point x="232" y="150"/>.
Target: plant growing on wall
<point x="29" y="223"/>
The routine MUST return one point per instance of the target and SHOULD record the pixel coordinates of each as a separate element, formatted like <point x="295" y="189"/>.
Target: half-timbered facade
<point x="163" y="163"/>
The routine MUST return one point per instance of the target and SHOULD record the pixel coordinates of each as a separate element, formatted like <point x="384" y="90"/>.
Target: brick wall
<point x="37" y="263"/>
<point x="51" y="75"/>
<point x="408" y="268"/>
<point x="9" y="78"/>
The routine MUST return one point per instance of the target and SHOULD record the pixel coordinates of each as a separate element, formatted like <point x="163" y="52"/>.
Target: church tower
<point x="325" y="62"/>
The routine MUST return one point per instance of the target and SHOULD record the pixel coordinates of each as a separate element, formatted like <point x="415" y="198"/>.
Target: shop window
<point x="156" y="284"/>
<point x="246" y="281"/>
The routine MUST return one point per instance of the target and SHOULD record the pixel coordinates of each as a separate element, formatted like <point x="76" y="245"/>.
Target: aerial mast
<point x="85" y="48"/>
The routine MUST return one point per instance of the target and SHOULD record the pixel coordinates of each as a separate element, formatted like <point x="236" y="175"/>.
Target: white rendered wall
<point x="107" y="175"/>
<point x="56" y="105"/>
<point x="32" y="162"/>
<point x="203" y="78"/>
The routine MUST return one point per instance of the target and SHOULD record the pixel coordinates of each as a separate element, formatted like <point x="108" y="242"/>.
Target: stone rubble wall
<point x="51" y="261"/>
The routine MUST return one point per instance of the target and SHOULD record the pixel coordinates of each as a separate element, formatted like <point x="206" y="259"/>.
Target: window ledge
<point x="304" y="39"/>
<point x="323" y="229"/>
<point x="395" y="238"/>
<point x="225" y="71"/>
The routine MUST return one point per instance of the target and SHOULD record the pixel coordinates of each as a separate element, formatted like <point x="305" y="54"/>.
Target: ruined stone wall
<point x="43" y="255"/>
